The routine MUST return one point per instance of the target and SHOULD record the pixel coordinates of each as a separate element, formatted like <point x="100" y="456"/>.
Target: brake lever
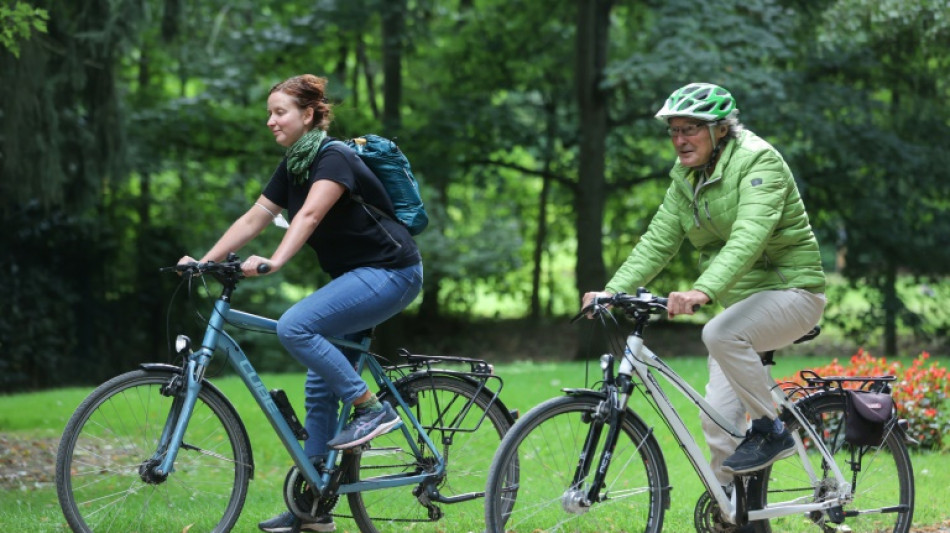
<point x="598" y="306"/>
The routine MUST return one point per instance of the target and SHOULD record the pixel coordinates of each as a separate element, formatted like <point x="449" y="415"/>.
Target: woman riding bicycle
<point x="374" y="264"/>
<point x="734" y="197"/>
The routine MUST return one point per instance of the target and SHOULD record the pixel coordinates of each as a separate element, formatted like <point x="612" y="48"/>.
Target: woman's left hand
<point x="251" y="265"/>
<point x="685" y="303"/>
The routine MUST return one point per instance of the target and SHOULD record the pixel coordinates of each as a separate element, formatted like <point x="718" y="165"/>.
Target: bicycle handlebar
<point x="231" y="266"/>
<point x="642" y="302"/>
<point x="210" y="267"/>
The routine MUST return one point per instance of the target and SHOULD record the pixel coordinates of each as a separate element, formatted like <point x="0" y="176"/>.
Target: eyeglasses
<point x="686" y="131"/>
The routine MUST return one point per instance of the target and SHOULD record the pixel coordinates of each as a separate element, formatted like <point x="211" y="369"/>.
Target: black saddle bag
<point x="867" y="416"/>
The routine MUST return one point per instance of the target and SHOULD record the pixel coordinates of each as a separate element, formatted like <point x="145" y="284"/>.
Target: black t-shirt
<point x="351" y="235"/>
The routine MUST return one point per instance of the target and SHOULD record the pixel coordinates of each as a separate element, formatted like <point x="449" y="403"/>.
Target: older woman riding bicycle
<point x="734" y="198"/>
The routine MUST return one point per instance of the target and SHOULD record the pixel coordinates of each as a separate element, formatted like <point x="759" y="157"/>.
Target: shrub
<point x="920" y="392"/>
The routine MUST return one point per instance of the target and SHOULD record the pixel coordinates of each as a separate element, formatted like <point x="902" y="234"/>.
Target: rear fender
<point x="512" y="416"/>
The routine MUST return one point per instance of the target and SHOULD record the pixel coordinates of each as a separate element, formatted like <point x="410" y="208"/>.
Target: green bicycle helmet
<point x="704" y="101"/>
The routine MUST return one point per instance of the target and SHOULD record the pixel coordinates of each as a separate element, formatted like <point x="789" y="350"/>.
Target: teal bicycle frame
<point x="216" y="338"/>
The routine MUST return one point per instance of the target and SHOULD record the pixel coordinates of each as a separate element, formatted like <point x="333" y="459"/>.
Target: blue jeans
<point x="348" y="307"/>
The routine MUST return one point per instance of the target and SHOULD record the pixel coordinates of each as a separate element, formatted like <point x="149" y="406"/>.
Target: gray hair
<point x="735" y="126"/>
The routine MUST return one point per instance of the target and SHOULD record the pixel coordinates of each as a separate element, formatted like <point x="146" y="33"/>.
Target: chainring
<point x="301" y="499"/>
<point x="708" y="519"/>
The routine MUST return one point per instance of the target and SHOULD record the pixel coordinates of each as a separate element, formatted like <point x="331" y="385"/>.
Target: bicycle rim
<point x="438" y="402"/>
<point x="883" y="485"/>
<point x="115" y="431"/>
<point x="545" y="447"/>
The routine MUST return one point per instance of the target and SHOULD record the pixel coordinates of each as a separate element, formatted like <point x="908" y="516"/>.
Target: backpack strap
<point x="356" y="197"/>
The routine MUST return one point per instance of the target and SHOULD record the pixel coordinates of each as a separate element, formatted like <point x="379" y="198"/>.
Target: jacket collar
<point x="686" y="174"/>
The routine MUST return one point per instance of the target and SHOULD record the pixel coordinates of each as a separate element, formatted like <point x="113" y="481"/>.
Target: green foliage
<point x="18" y="22"/>
<point x="858" y="311"/>
<point x="137" y="128"/>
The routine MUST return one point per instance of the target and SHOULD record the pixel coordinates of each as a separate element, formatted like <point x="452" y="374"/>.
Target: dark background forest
<point x="133" y="133"/>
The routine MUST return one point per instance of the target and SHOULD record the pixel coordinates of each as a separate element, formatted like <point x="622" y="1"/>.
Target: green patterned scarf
<point x="302" y="154"/>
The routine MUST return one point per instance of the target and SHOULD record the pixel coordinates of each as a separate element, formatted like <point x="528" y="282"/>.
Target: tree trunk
<point x="542" y="230"/>
<point x="892" y="306"/>
<point x="593" y="19"/>
<point x="591" y="58"/>
<point x="394" y="27"/>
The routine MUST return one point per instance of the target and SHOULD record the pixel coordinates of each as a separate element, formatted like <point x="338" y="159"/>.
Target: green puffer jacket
<point x="747" y="221"/>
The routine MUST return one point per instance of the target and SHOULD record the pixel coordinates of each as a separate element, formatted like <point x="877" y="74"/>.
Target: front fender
<point x="207" y="385"/>
<point x="635" y="420"/>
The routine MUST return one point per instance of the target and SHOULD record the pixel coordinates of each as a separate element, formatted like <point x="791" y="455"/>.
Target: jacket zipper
<point x="768" y="264"/>
<point x="715" y="230"/>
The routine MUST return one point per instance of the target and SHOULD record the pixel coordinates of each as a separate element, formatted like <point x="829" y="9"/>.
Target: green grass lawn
<point x="31" y="423"/>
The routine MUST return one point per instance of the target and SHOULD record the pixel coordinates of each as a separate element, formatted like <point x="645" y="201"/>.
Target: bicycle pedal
<point x="358" y="449"/>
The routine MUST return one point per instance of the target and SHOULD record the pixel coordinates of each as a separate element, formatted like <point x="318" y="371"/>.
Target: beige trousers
<point x="738" y="382"/>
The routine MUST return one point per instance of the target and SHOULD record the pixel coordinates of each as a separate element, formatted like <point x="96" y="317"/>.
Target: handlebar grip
<point x="263" y="268"/>
<point x="180" y="268"/>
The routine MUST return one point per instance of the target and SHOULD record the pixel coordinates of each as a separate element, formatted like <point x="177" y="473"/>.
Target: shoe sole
<point x="385" y="427"/>
<point x="324" y="528"/>
<point x="783" y="455"/>
<point x="302" y="528"/>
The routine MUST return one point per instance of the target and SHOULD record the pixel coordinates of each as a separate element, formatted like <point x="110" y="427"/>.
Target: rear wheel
<point x="881" y="476"/>
<point x="104" y="467"/>
<point x="466" y="425"/>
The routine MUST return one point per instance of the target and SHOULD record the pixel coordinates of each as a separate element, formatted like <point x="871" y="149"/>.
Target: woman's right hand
<point x="589" y="297"/>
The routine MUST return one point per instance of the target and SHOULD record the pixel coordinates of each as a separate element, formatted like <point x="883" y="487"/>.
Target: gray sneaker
<point x="285" y="522"/>
<point x="365" y="425"/>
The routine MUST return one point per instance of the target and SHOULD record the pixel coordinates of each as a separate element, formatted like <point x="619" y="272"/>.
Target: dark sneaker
<point x="759" y="449"/>
<point x="365" y="425"/>
<point x="285" y="522"/>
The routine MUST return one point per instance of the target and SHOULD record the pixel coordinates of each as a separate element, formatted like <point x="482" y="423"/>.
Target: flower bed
<point x="920" y="392"/>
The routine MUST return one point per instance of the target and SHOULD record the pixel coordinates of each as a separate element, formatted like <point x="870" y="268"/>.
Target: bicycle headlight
<point x="605" y="361"/>
<point x="182" y="345"/>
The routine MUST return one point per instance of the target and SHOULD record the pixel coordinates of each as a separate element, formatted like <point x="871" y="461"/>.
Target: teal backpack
<point x="390" y="165"/>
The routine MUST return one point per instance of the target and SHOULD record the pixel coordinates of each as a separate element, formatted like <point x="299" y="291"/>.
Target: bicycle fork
<point x="611" y="411"/>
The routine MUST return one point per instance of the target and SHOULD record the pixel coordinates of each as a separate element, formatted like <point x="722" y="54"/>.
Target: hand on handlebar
<point x="257" y="265"/>
<point x="590" y="298"/>
<point x="187" y="261"/>
<point x="686" y="303"/>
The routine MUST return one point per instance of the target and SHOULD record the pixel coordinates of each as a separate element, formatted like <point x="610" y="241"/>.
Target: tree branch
<point x="563" y="180"/>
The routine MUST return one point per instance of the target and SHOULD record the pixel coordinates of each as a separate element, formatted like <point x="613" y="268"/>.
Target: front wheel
<point x="881" y="476"/>
<point x="466" y="424"/>
<point x="104" y="476"/>
<point x="544" y="449"/>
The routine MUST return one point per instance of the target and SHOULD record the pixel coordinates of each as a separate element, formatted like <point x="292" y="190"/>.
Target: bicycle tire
<point x="436" y="401"/>
<point x="544" y="447"/>
<point x="114" y="431"/>
<point x="885" y="479"/>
